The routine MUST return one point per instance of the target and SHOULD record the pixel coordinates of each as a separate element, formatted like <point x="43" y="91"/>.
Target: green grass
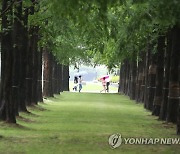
<point x="81" y="123"/>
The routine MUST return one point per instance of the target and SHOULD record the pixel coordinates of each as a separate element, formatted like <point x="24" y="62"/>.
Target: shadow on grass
<point x="168" y="125"/>
<point x="56" y="97"/>
<point x="13" y="126"/>
<point x="37" y="108"/>
<point x="30" y="113"/>
<point x="42" y="103"/>
<point x="25" y="119"/>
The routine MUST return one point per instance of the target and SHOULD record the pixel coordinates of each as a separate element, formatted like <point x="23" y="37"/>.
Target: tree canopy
<point x="101" y="31"/>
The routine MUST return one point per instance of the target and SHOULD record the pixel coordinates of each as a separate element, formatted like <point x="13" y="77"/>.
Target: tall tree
<point x="47" y="74"/>
<point x="66" y="77"/>
<point x="163" y="111"/>
<point x="159" y="76"/>
<point x="7" y="109"/>
<point x="173" y="99"/>
<point x="23" y="57"/>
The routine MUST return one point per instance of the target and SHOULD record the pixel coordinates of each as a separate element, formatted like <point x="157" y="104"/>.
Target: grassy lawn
<point x="81" y="123"/>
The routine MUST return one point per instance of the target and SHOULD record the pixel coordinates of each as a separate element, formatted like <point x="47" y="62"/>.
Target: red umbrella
<point x="104" y="77"/>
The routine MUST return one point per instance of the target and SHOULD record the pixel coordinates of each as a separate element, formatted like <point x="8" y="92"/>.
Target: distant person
<point x="107" y="84"/>
<point x="103" y="84"/>
<point x="80" y="83"/>
<point x="75" y="83"/>
<point x="76" y="79"/>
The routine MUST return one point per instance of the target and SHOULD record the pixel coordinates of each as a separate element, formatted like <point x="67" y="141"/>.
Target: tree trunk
<point x="142" y="79"/>
<point x="66" y="77"/>
<point x="39" y="84"/>
<point x="139" y="79"/>
<point x="163" y="111"/>
<point x="151" y="82"/>
<point x="56" y="84"/>
<point x="23" y="57"/>
<point x="35" y="66"/>
<point x="47" y="75"/>
<point x="128" y="80"/>
<point x="133" y="79"/>
<point x="17" y="47"/>
<point x="122" y="76"/>
<point x="120" y="72"/>
<point x="146" y="76"/>
<point x="29" y="68"/>
<point x="7" y="106"/>
<point x="54" y="78"/>
<point x="173" y="99"/>
<point x="60" y="77"/>
<point x="140" y="88"/>
<point x="178" y="118"/>
<point x="125" y="76"/>
<point x="159" y="76"/>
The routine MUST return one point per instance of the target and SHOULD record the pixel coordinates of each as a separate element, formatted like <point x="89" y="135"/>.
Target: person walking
<point x="103" y="84"/>
<point x="75" y="83"/>
<point x="80" y="83"/>
<point x="107" y="84"/>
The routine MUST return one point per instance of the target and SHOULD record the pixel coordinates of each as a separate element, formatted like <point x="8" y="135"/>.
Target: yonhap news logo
<point x="117" y="140"/>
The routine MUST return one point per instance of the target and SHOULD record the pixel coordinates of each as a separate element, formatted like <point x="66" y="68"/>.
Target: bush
<point x="115" y="79"/>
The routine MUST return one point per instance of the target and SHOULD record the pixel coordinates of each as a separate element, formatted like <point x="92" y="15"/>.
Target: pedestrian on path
<point x="80" y="83"/>
<point x="103" y="84"/>
<point x="107" y="84"/>
<point x="75" y="83"/>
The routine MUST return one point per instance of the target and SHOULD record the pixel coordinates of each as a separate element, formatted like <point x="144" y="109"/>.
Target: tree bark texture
<point x="159" y="76"/>
<point x="173" y="98"/>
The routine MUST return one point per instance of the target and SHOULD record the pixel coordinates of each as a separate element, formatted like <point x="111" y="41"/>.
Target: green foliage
<point x="101" y="31"/>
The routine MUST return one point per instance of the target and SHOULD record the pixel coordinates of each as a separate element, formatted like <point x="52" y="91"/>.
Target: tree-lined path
<point x="40" y="39"/>
<point x="82" y="123"/>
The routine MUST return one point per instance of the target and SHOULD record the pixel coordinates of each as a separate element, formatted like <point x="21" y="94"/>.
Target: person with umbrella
<point x="103" y="80"/>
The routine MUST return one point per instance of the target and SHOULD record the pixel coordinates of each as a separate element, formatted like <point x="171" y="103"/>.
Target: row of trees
<point x="154" y="79"/>
<point x="150" y="63"/>
<point x="22" y="61"/>
<point x="140" y="36"/>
